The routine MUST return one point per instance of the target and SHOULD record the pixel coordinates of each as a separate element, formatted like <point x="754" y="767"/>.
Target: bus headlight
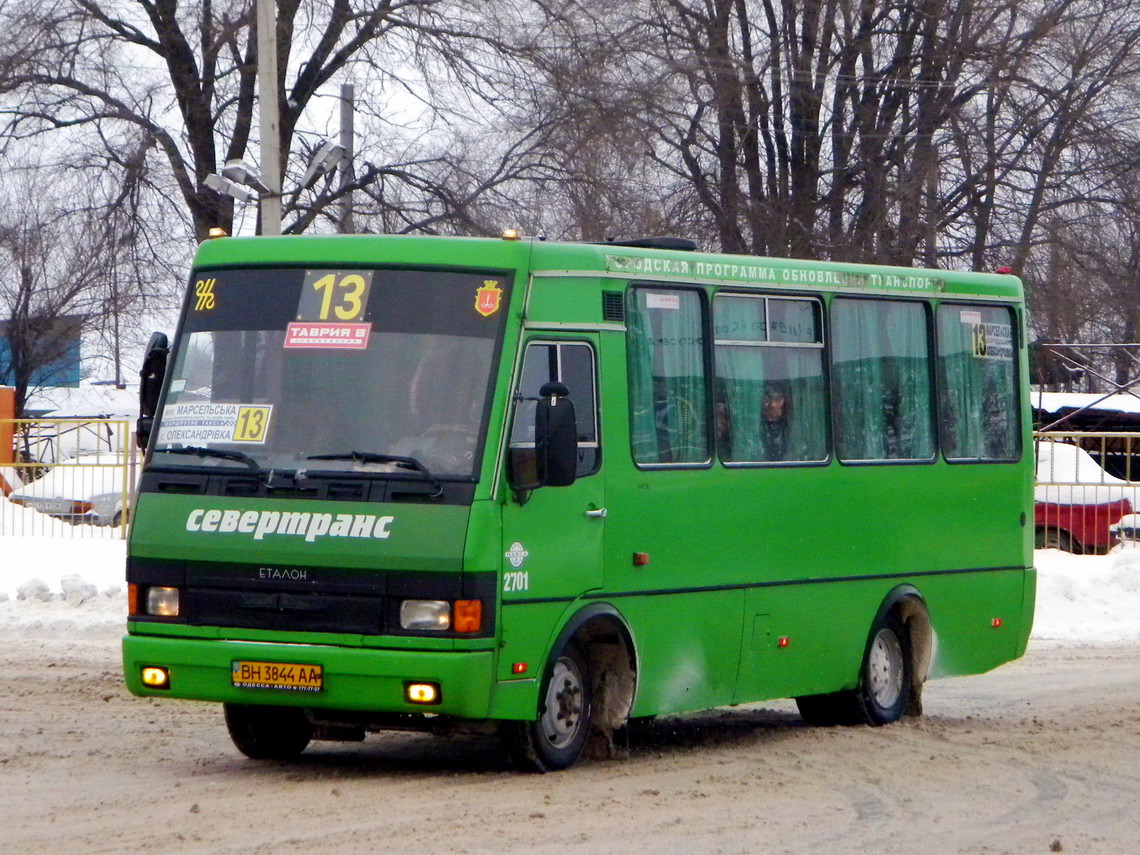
<point x="162" y="602"/>
<point x="425" y="615"/>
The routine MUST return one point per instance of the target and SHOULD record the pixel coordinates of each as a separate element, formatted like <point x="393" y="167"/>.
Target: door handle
<point x="599" y="514"/>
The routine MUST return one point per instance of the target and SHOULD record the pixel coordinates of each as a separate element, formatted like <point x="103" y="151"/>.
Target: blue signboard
<point x="62" y="370"/>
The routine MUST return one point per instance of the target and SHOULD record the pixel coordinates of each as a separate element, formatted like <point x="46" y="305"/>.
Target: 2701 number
<point x="515" y="580"/>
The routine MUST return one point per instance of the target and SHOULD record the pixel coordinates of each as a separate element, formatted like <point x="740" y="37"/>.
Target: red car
<point x="1078" y="528"/>
<point x="1076" y="501"/>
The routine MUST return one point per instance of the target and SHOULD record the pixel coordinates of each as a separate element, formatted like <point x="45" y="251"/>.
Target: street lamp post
<point x="243" y="182"/>
<point x="347" y="108"/>
<point x="270" y="116"/>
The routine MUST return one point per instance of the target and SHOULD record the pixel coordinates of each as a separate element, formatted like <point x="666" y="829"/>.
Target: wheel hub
<point x="563" y="715"/>
<point x="885" y="669"/>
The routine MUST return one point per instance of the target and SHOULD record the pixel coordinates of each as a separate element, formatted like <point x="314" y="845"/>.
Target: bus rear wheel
<point x="556" y="738"/>
<point x="885" y="683"/>
<point x="268" y="733"/>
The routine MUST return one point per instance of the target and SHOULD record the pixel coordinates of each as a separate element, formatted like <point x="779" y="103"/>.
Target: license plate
<point x="277" y="675"/>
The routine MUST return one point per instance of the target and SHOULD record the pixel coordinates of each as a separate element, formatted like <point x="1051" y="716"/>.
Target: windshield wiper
<point x="203" y="451"/>
<point x="400" y="460"/>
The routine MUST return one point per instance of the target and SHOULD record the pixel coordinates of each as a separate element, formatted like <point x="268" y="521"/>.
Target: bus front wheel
<point x="556" y="738"/>
<point x="268" y="733"/>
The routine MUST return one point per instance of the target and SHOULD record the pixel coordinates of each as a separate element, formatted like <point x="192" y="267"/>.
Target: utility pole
<point x="347" y="173"/>
<point x="269" y="102"/>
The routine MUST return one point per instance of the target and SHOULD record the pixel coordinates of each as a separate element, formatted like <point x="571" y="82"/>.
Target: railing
<point x="1088" y="488"/>
<point x="67" y="477"/>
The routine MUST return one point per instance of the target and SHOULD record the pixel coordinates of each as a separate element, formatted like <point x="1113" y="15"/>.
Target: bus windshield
<point x="362" y="370"/>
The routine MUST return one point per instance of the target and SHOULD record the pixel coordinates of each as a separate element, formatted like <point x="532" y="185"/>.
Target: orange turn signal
<point x="468" y="616"/>
<point x="132" y="599"/>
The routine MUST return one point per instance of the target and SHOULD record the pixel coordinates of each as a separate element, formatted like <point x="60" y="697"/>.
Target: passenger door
<point x="553" y="536"/>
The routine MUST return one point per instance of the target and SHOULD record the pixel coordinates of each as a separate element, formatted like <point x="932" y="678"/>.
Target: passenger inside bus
<point x="775" y="421"/>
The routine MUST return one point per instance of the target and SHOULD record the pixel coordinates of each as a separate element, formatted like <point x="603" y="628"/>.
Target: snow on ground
<point x="1088" y="598"/>
<point x="54" y="579"/>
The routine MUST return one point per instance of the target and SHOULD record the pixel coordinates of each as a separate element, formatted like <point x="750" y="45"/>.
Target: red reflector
<point x="518" y="668"/>
<point x="995" y="623"/>
<point x="640" y="559"/>
<point x="783" y="641"/>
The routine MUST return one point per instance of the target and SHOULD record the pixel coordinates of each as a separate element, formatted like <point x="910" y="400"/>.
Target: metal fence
<point x="1088" y="488"/>
<point x="67" y="477"/>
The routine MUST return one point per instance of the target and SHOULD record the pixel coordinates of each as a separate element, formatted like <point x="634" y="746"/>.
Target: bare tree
<point x="917" y="131"/>
<point x="66" y="271"/>
<point x="184" y="78"/>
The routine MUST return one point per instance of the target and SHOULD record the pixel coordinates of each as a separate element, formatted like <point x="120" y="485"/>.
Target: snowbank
<point x="62" y="582"/>
<point x="1089" y="598"/>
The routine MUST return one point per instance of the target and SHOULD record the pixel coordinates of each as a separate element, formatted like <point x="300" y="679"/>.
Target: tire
<point x="268" y="733"/>
<point x="556" y="738"/>
<point x="1055" y="538"/>
<point x="885" y="681"/>
<point x="886" y="677"/>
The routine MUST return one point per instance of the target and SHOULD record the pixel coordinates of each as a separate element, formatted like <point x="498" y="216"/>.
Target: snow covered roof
<point x="91" y="399"/>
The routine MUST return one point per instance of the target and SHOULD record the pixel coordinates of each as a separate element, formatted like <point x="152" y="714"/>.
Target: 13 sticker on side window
<point x="989" y="340"/>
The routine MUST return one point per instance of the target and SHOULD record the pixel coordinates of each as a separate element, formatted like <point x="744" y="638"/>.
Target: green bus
<point x="400" y="482"/>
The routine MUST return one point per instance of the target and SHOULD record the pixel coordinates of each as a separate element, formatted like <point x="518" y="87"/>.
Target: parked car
<point x="87" y="489"/>
<point x="1126" y="529"/>
<point x="1076" y="501"/>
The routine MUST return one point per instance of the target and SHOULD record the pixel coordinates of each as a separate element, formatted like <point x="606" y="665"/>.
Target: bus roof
<point x="557" y="258"/>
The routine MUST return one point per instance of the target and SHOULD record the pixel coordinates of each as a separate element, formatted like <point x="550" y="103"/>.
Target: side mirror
<point x="150" y="386"/>
<point x="552" y="459"/>
<point x="555" y="436"/>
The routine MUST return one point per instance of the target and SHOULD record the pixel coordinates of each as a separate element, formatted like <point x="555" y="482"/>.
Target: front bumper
<point x="362" y="679"/>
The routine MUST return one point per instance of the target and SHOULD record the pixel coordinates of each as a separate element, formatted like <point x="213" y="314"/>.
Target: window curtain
<point x="808" y="435"/>
<point x="770" y="403"/>
<point x="910" y="432"/>
<point x="859" y="381"/>
<point x="882" y="383"/>
<point x="977" y="383"/>
<point x="740" y="378"/>
<point x="667" y="378"/>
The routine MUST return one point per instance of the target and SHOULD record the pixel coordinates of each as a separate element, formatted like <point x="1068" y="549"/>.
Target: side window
<point x="881" y="371"/>
<point x="667" y="383"/>
<point x="571" y="363"/>
<point x="977" y="383"/>
<point x="769" y="402"/>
